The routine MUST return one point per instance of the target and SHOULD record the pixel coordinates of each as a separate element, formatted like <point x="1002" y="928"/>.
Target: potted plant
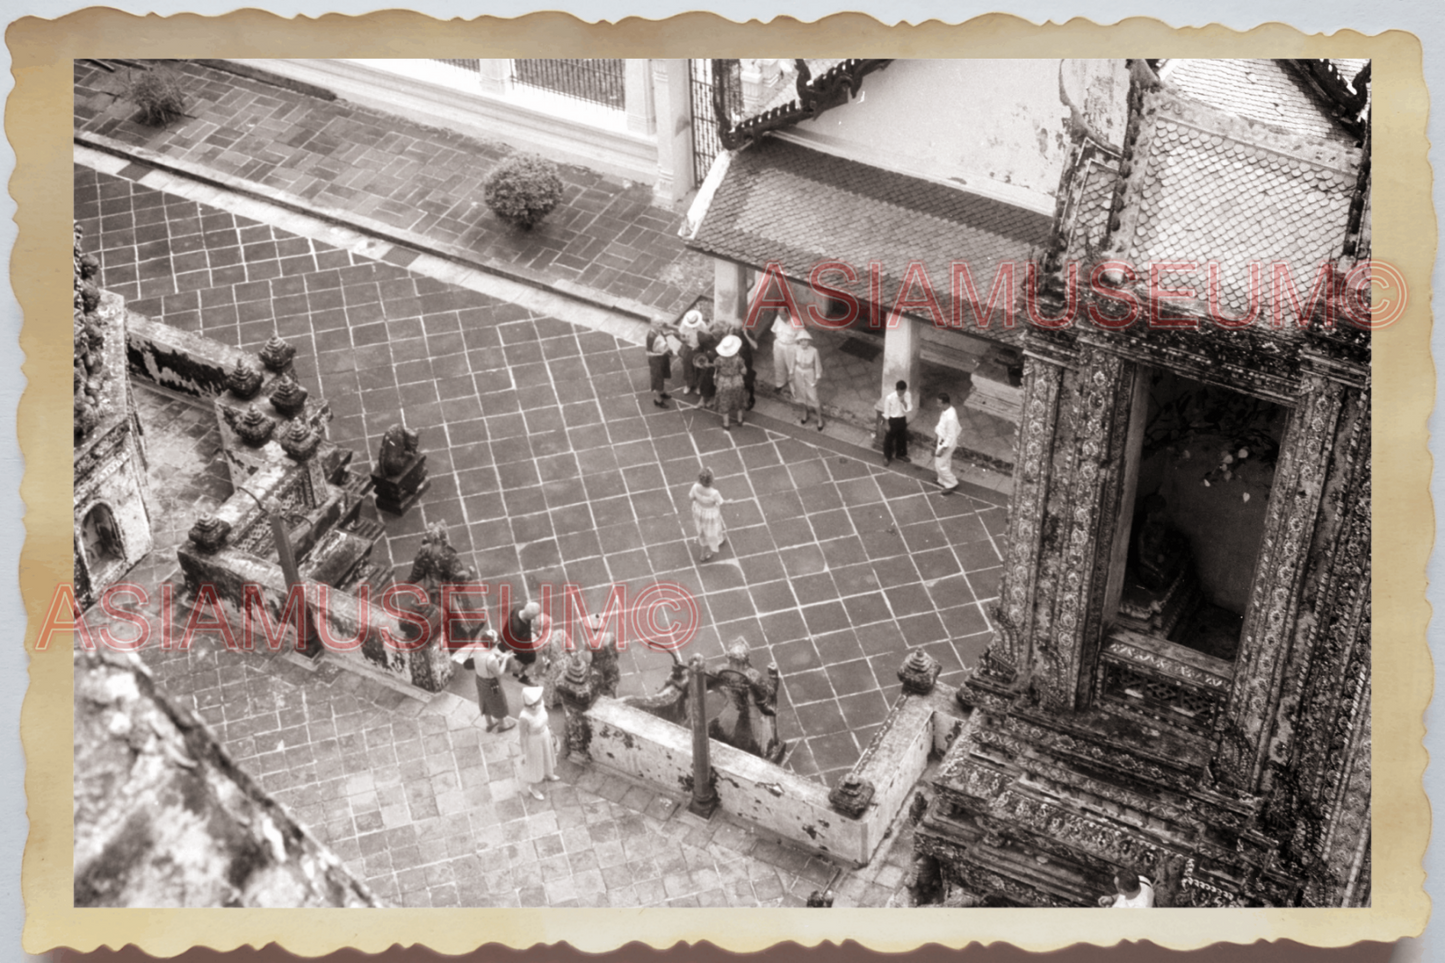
<point x="523" y="189"/>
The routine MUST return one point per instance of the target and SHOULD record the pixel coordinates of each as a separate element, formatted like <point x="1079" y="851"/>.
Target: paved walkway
<point x="549" y="464"/>
<point x="402" y="179"/>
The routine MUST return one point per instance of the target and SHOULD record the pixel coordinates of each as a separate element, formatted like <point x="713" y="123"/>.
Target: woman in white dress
<point x="707" y="504"/>
<point x="539" y="752"/>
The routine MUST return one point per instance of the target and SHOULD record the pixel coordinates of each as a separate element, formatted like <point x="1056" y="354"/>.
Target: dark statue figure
<point x="1161" y="552"/>
<point x="400" y="478"/>
<point x="398" y="447"/>
<point x="753" y="702"/>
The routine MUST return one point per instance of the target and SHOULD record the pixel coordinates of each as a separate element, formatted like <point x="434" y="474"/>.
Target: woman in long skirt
<point x="807" y="372"/>
<point x="731" y="381"/>
<point x="707" y="504"/>
<point x="539" y="755"/>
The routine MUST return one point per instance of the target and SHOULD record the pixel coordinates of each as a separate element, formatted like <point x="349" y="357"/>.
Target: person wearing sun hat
<point x="539" y="751"/>
<point x="807" y="372"/>
<point x="731" y="372"/>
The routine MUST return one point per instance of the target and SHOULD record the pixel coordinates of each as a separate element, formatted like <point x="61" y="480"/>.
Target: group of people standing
<point x="521" y="650"/>
<point x="716" y="361"/>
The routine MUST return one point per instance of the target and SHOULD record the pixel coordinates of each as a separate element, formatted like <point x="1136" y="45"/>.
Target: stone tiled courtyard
<point x="547" y="469"/>
<point x="549" y="466"/>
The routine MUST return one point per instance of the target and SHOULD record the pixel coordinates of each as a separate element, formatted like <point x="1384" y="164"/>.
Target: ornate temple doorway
<point x="1199" y="469"/>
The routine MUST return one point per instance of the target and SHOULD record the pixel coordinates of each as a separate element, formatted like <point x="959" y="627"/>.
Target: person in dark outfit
<point x="520" y="637"/>
<point x="704" y="360"/>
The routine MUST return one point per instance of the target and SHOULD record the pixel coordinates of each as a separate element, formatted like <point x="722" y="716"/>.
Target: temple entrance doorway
<point x="1200" y="471"/>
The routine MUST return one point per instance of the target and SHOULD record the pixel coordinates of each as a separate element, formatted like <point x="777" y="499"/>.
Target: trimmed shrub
<point x="523" y="189"/>
<point x="158" y="95"/>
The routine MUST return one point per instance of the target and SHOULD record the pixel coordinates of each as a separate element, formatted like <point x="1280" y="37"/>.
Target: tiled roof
<point x="1261" y="90"/>
<point x="785" y="203"/>
<point x="1349" y="69"/>
<point x="1208" y="196"/>
<point x="1089" y="222"/>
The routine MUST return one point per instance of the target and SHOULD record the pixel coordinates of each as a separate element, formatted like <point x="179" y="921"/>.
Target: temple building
<point x="1179" y="680"/>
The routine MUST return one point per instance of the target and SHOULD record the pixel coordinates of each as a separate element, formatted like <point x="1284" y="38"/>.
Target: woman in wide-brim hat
<point x="730" y="374"/>
<point x="539" y="752"/>
<point x="807" y="372"/>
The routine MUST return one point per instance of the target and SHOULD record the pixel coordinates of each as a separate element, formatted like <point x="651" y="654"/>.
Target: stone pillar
<point x="902" y="348"/>
<point x="1010" y="654"/>
<point x="729" y="291"/>
<point x="1316" y="436"/>
<point x="637" y="94"/>
<point x="671" y="88"/>
<point x="704" y="793"/>
<point x="1067" y="629"/>
<point x="494" y="76"/>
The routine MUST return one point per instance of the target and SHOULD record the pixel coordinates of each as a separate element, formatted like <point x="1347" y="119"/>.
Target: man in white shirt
<point x="897" y="406"/>
<point x="947" y="434"/>
<point x="785" y="347"/>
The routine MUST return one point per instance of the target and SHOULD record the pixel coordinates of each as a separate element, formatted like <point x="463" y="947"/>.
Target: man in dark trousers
<point x="896" y="408"/>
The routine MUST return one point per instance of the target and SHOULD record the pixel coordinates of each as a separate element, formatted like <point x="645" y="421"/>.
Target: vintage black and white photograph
<point x="742" y="483"/>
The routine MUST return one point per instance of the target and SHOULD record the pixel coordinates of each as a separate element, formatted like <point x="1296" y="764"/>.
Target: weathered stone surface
<point x="163" y="818"/>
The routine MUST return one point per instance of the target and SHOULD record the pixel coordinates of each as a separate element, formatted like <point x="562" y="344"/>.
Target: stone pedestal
<point x="396" y="494"/>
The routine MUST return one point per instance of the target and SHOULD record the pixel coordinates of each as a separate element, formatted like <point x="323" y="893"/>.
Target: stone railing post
<point x="704" y="795"/>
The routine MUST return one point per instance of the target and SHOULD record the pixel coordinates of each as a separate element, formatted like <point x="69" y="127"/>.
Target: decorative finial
<point x="244" y="380"/>
<point x="277" y="354"/>
<point x="209" y="533"/>
<point x="288" y="397"/>
<point x="919" y="672"/>
<point x="254" y="427"/>
<point x="299" y="440"/>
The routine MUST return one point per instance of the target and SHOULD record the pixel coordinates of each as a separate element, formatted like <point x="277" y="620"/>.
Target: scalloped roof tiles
<point x="1088" y="228"/>
<point x="786" y="203"/>
<point x="1261" y="90"/>
<point x="1209" y="197"/>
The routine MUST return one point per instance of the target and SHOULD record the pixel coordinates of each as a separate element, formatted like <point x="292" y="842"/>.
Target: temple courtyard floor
<point x="550" y="466"/>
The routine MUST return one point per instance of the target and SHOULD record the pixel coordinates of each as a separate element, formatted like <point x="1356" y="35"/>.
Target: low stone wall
<point x="645" y="747"/>
<point x="229" y="569"/>
<point x="345" y="617"/>
<point x="180" y="360"/>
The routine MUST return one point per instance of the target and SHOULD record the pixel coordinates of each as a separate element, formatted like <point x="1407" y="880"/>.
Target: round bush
<point x="159" y="95"/>
<point x="523" y="189"/>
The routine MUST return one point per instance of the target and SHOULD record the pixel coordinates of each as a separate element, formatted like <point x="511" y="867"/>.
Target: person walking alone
<point x="897" y="406"/>
<point x="707" y="504"/>
<point x="539" y="752"/>
<point x="807" y="372"/>
<point x="946" y="434"/>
